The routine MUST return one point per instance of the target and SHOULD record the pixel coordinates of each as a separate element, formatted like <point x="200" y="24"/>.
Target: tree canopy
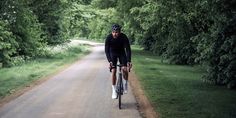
<point x="185" y="32"/>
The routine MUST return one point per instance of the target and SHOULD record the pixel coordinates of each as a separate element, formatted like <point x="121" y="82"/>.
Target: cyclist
<point x="117" y="47"/>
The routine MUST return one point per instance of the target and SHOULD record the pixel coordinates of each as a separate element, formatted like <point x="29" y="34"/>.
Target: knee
<point x="124" y="69"/>
<point x="113" y="71"/>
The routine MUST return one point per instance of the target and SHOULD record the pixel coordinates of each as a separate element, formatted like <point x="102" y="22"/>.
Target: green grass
<point x="179" y="91"/>
<point x="17" y="77"/>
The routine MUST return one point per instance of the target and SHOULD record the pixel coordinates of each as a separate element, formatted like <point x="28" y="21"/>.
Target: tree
<point x="50" y="14"/>
<point x="21" y="31"/>
<point x="8" y="44"/>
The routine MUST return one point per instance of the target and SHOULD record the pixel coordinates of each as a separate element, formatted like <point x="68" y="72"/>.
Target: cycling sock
<point x="125" y="82"/>
<point x="113" y="87"/>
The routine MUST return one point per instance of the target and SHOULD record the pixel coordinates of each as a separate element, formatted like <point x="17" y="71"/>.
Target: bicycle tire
<point x="120" y="90"/>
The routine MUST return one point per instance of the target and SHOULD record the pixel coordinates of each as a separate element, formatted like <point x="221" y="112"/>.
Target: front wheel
<point x="119" y="97"/>
<point x="120" y="90"/>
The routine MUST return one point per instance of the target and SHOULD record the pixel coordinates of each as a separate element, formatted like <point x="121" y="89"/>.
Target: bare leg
<point x="114" y="94"/>
<point x="113" y="76"/>
<point x="125" y="73"/>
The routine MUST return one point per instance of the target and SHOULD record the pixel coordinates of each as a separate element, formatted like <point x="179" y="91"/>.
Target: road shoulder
<point x="144" y="106"/>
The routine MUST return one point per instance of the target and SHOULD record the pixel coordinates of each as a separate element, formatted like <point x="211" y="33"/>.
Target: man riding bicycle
<point x="117" y="47"/>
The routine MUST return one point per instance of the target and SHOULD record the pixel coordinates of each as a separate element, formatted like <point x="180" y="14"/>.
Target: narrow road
<point x="83" y="90"/>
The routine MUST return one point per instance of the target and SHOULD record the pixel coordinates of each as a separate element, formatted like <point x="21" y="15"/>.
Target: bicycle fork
<point x="119" y="84"/>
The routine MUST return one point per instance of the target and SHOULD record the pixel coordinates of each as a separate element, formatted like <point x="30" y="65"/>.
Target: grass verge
<point x="17" y="77"/>
<point x="178" y="91"/>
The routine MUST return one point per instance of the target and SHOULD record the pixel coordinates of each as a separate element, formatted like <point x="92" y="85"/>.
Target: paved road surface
<point x="81" y="91"/>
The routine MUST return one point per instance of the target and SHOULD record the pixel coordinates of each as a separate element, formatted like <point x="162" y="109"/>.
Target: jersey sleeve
<point x="127" y="48"/>
<point x="107" y="49"/>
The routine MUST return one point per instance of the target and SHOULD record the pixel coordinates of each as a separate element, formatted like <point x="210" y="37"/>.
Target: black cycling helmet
<point x="116" y="27"/>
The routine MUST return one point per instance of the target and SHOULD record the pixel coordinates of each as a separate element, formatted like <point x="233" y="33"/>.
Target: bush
<point x="222" y="67"/>
<point x="8" y="44"/>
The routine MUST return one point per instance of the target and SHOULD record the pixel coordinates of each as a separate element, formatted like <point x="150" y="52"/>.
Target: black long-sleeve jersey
<point x="120" y="46"/>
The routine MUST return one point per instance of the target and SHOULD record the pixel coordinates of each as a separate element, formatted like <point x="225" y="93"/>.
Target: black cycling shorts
<point x="122" y="58"/>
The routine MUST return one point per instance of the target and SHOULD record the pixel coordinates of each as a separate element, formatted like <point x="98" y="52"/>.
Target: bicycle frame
<point x="119" y="85"/>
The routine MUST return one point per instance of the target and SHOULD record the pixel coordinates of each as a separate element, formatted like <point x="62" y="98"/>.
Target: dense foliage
<point x="182" y="31"/>
<point x="8" y="43"/>
<point x="27" y="26"/>
<point x="22" y="35"/>
<point x="192" y="32"/>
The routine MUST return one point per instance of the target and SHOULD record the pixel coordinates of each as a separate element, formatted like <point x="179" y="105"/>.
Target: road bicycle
<point x="119" y="85"/>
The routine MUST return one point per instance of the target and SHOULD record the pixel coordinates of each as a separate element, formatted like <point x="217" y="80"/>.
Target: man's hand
<point x="129" y="64"/>
<point x="110" y="65"/>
